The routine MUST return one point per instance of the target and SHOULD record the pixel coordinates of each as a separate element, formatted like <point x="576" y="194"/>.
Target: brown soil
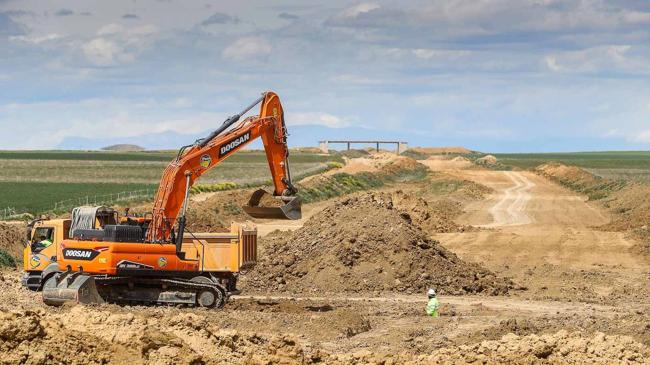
<point x="628" y="202"/>
<point x="487" y="160"/>
<point x="98" y="336"/>
<point x="441" y="150"/>
<point x="560" y="348"/>
<point x="12" y="236"/>
<point x="581" y="281"/>
<point x="218" y="211"/>
<point x="631" y="206"/>
<point x="367" y="243"/>
<point x="439" y="163"/>
<point x="564" y="173"/>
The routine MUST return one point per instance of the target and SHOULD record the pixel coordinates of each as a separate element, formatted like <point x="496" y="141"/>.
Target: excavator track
<point x="153" y="291"/>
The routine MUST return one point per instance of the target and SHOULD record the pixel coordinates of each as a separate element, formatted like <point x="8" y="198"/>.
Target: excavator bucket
<point x="71" y="287"/>
<point x="289" y="209"/>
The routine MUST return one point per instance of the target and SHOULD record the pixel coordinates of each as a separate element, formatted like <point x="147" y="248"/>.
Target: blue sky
<point x="517" y="75"/>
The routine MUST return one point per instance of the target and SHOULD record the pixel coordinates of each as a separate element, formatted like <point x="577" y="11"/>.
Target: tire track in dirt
<point x="510" y="210"/>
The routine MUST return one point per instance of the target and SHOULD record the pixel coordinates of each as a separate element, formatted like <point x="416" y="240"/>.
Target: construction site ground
<point x="579" y="295"/>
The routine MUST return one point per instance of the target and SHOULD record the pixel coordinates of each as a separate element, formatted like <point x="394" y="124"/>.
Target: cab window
<point x="46" y="232"/>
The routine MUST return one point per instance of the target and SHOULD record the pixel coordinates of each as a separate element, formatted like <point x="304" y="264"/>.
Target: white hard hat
<point x="431" y="292"/>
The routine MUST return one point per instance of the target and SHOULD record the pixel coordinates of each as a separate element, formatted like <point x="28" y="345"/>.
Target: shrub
<point x="6" y="260"/>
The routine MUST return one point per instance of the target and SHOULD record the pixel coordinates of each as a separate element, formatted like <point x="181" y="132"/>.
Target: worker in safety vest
<point x="433" y="304"/>
<point x="45" y="241"/>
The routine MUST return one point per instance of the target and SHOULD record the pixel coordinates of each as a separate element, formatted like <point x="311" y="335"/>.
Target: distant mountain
<point x="123" y="148"/>
<point x="299" y="136"/>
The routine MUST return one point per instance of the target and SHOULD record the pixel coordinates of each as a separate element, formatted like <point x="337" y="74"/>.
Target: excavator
<point x="98" y="256"/>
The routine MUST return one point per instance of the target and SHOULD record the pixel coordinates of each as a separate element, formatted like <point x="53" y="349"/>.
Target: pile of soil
<point x="487" y="160"/>
<point x="559" y="348"/>
<point x="441" y="150"/>
<point x="366" y="243"/>
<point x="217" y="212"/>
<point x="435" y="217"/>
<point x="85" y="335"/>
<point x="567" y="174"/>
<point x="12" y="236"/>
<point x="401" y="163"/>
<point x="631" y="206"/>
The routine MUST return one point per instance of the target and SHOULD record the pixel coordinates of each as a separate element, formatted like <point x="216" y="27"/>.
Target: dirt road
<point x="545" y="237"/>
<point x="510" y="209"/>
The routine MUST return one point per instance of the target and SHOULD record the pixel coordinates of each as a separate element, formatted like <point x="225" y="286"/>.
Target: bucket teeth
<point x="71" y="287"/>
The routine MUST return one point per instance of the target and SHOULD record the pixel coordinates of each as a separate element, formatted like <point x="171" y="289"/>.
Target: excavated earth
<point x="370" y="242"/>
<point x="347" y="286"/>
<point x="12" y="236"/>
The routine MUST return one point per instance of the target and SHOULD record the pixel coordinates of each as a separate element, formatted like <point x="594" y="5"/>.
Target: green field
<point x="591" y="160"/>
<point x="617" y="165"/>
<point x="35" y="197"/>
<point x="36" y="181"/>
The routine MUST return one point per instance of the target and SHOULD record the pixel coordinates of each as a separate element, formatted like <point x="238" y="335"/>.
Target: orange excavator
<point x="153" y="259"/>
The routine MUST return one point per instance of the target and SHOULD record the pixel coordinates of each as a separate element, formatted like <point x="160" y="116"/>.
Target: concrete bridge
<point x="400" y="146"/>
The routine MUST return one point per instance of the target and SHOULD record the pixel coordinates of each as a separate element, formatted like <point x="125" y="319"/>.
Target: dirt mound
<point x="562" y="172"/>
<point x="435" y="217"/>
<point x="86" y="335"/>
<point x="366" y="243"/>
<point x="487" y="160"/>
<point x="460" y="159"/>
<point x="559" y="348"/>
<point x="441" y="150"/>
<point x="216" y="212"/>
<point x="577" y="179"/>
<point x="632" y="208"/>
<point x="12" y="237"/>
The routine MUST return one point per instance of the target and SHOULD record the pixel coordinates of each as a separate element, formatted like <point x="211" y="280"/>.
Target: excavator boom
<point x="195" y="160"/>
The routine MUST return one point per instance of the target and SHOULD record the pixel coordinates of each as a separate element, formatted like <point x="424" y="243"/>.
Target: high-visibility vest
<point x="432" y="307"/>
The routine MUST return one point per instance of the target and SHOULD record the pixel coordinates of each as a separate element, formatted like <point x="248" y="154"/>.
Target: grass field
<point x="590" y="160"/>
<point x="34" y="181"/>
<point x="625" y="165"/>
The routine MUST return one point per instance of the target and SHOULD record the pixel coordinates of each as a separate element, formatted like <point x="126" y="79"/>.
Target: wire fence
<point x="8" y="213"/>
<point x="103" y="199"/>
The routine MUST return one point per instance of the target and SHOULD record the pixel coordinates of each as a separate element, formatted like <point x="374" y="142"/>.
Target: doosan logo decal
<point x="79" y="254"/>
<point x="227" y="147"/>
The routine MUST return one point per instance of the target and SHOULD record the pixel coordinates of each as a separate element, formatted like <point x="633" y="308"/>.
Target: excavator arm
<point x="195" y="160"/>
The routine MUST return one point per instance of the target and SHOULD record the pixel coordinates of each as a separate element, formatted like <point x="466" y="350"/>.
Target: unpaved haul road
<point x="510" y="209"/>
<point x="546" y="238"/>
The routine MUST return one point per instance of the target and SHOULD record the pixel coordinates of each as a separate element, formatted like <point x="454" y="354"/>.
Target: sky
<point x="492" y="75"/>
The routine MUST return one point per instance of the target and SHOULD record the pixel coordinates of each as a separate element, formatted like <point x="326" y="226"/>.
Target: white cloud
<point x="607" y="58"/>
<point x="47" y="124"/>
<point x="245" y="48"/>
<point x="427" y="54"/>
<point x="355" y="11"/>
<point x="315" y="118"/>
<point x="641" y="137"/>
<point x="110" y="29"/>
<point x="34" y="39"/>
<point x="551" y="63"/>
<point x="116" y="44"/>
<point x="102" y="52"/>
